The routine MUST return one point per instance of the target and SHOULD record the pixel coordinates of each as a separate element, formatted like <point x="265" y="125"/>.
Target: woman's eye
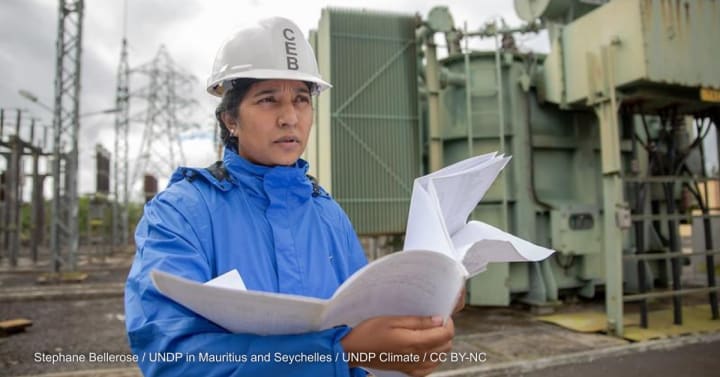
<point x="267" y="100"/>
<point x="302" y="99"/>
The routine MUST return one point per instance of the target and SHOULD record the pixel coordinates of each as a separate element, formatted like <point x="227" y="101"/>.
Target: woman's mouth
<point x="287" y="140"/>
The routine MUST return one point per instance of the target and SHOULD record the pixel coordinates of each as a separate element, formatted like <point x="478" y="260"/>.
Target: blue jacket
<point x="270" y="225"/>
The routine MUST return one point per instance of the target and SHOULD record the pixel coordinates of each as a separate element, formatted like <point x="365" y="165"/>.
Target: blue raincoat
<point x="275" y="228"/>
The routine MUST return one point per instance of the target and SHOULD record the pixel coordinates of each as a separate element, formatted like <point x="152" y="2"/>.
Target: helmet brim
<point x="215" y="85"/>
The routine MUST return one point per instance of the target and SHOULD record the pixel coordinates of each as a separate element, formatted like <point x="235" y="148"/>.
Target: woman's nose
<point x="287" y="115"/>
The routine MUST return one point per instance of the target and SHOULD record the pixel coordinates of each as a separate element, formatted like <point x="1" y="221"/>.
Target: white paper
<point x="459" y="193"/>
<point x="441" y="204"/>
<point x="517" y="250"/>
<point x="230" y="280"/>
<point x="426" y="228"/>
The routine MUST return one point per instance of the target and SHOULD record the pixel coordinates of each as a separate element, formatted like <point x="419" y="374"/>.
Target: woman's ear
<point x="230" y="122"/>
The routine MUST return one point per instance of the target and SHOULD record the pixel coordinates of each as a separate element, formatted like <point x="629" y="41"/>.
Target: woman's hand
<point x="409" y="344"/>
<point x="461" y="301"/>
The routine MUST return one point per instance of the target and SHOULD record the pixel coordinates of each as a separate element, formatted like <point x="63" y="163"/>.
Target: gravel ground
<point x="70" y="328"/>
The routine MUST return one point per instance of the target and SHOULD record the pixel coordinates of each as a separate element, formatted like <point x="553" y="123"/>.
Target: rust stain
<point x="678" y="18"/>
<point x="666" y="27"/>
<point x="687" y="14"/>
<point x="646" y="15"/>
<point x="665" y="13"/>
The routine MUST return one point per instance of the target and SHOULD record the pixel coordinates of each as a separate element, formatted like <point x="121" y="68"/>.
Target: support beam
<point x="616" y="215"/>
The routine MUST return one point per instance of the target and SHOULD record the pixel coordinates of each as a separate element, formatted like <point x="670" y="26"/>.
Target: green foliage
<point x="102" y="216"/>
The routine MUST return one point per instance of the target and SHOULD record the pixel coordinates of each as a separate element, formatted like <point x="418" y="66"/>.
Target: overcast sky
<point x="192" y="31"/>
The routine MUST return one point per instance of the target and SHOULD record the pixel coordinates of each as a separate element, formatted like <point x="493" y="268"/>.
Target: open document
<point x="442" y="251"/>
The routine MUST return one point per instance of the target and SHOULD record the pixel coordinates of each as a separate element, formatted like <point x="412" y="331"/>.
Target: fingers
<point x="431" y="338"/>
<point x="460" y="301"/>
<point x="431" y="363"/>
<point x="450" y="325"/>
<point x="423" y="333"/>
<point x="415" y="323"/>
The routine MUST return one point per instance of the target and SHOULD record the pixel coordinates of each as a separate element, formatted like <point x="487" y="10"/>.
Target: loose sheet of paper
<point x="230" y="280"/>
<point x="426" y="229"/>
<point x="439" y="209"/>
<point x="459" y="193"/>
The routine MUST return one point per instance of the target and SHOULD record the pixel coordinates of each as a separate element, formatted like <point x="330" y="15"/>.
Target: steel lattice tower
<point x="120" y="171"/>
<point x="64" y="222"/>
<point x="161" y="149"/>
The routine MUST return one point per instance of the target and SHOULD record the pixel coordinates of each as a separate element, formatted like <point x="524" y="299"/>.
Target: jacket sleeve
<point x="356" y="257"/>
<point x="157" y="326"/>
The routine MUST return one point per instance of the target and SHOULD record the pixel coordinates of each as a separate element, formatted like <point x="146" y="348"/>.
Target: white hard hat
<point x="275" y="48"/>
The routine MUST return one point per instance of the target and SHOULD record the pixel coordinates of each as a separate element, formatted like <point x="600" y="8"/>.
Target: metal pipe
<point x="36" y="213"/>
<point x="468" y="97"/>
<point x="531" y="155"/>
<point x="422" y="93"/>
<point x="433" y="97"/>
<point x="501" y="119"/>
<point x="674" y="245"/>
<point x="673" y="293"/>
<point x="679" y="217"/>
<point x="710" y="263"/>
<point x="17" y="123"/>
<point x="669" y="178"/>
<point x="32" y="132"/>
<point x="639" y="228"/>
<point x="12" y="201"/>
<point x="669" y="255"/>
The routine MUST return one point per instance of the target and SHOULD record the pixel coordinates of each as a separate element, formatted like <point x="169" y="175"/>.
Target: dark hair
<point x="230" y="102"/>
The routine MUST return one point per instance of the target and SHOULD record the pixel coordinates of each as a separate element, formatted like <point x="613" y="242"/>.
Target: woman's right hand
<point x="412" y="344"/>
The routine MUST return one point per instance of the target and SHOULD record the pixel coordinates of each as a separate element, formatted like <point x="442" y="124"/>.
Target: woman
<point x="259" y="213"/>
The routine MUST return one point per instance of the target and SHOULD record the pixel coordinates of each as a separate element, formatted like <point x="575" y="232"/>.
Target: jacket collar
<point x="268" y="181"/>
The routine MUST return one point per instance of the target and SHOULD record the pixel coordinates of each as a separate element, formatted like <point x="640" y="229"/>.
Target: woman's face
<point x="273" y="122"/>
